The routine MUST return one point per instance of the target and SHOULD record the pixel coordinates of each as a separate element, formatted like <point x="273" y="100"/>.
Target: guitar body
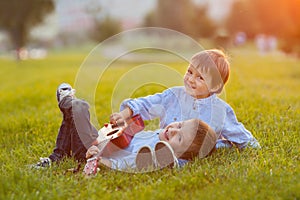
<point x="112" y="139"/>
<point x="135" y="125"/>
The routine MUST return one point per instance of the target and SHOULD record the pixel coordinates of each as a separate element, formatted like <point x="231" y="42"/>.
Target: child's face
<point x="195" y="84"/>
<point x="179" y="135"/>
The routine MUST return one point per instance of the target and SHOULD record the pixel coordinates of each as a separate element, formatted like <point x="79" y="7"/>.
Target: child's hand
<point x="93" y="150"/>
<point x="120" y="118"/>
<point x="117" y="119"/>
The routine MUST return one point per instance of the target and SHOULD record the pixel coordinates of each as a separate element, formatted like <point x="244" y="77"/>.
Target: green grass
<point x="264" y="92"/>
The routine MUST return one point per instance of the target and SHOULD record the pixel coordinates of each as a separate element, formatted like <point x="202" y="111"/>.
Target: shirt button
<point x="175" y="119"/>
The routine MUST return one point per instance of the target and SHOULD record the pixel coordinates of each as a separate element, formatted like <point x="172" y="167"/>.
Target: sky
<point x="131" y="12"/>
<point x="136" y="9"/>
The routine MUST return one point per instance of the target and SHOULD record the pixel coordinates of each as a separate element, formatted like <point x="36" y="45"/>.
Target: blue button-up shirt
<point x="174" y="104"/>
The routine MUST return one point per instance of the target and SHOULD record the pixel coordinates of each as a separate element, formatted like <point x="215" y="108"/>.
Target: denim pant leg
<point x="78" y="150"/>
<point x="76" y="119"/>
<point x="83" y="132"/>
<point x="63" y="142"/>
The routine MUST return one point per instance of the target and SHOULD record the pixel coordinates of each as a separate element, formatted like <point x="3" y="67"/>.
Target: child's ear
<point x="214" y="84"/>
<point x="212" y="78"/>
<point x="216" y="89"/>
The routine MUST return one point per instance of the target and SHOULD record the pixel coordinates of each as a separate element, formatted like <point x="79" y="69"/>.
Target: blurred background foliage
<point x="277" y="17"/>
<point x="18" y="18"/>
<point x="249" y="19"/>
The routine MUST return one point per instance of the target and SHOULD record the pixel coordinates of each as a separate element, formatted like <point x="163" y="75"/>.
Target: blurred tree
<point x="202" y="25"/>
<point x="274" y="16"/>
<point x="174" y="14"/>
<point x="105" y="28"/>
<point x="183" y="16"/>
<point x="18" y="17"/>
<point x="290" y="33"/>
<point x="150" y="19"/>
<point x="242" y="19"/>
<point x="271" y="17"/>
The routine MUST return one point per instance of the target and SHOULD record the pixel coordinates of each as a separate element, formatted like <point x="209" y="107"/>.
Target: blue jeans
<point x="76" y="133"/>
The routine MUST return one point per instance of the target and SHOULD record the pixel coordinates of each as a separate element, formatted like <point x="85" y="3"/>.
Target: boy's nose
<point x="191" y="79"/>
<point x="172" y="132"/>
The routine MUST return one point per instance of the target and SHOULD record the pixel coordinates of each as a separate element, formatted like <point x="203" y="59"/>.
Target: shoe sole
<point x="164" y="156"/>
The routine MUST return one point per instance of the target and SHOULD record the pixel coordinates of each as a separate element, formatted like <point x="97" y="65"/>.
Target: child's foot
<point x="145" y="159"/>
<point x="165" y="156"/>
<point x="43" y="163"/>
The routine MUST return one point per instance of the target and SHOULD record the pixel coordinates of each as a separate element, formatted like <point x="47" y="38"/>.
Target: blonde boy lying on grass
<point x="77" y="138"/>
<point x="161" y="148"/>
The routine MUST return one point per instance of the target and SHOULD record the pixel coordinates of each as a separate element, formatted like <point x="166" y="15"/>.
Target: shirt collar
<point x="205" y="100"/>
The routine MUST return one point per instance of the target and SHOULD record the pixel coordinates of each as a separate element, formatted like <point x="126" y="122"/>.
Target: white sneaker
<point x="64" y="90"/>
<point x="144" y="159"/>
<point x="43" y="163"/>
<point x="165" y="156"/>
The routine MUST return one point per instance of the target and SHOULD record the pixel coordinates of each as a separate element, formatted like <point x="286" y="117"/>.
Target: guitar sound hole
<point x="113" y="132"/>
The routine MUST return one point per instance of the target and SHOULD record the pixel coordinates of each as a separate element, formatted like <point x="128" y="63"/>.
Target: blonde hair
<point x="215" y="65"/>
<point x="203" y="143"/>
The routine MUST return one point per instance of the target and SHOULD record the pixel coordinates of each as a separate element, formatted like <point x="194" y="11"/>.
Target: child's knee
<point x="79" y="106"/>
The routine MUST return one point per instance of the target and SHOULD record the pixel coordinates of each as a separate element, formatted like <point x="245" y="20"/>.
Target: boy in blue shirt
<point x="150" y="150"/>
<point x="205" y="77"/>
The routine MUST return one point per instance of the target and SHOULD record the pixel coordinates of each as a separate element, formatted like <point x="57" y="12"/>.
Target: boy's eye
<point x="200" y="77"/>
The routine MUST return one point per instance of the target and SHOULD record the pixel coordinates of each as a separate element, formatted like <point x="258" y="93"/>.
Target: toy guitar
<point x="112" y="138"/>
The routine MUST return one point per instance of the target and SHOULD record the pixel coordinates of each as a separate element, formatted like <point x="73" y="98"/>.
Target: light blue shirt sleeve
<point x="148" y="107"/>
<point x="168" y="106"/>
<point x="235" y="132"/>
